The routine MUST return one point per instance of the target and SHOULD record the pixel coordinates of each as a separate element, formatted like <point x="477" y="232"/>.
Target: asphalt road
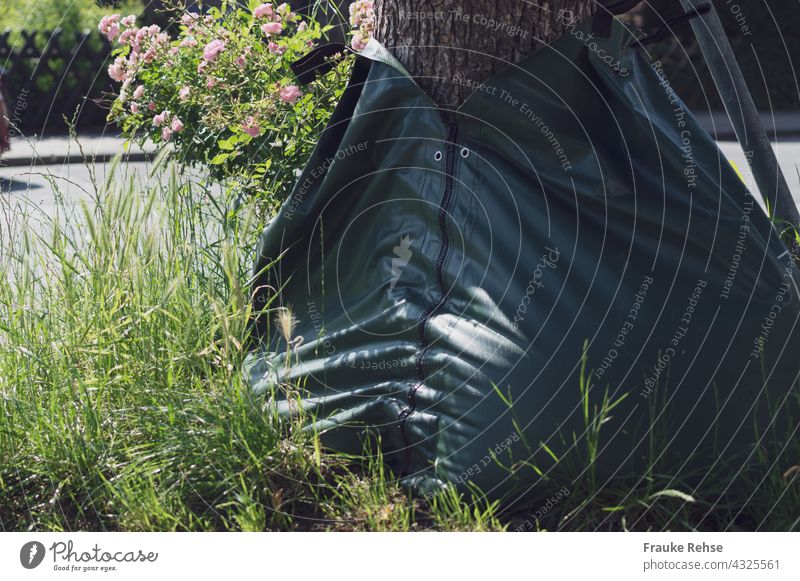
<point x="788" y="153"/>
<point x="34" y="192"/>
<point x="74" y="181"/>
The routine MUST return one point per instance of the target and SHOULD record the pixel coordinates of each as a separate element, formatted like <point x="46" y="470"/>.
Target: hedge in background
<point x="54" y="60"/>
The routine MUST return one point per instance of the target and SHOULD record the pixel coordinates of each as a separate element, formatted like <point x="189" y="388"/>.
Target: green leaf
<point x="227" y="144"/>
<point x="220" y="158"/>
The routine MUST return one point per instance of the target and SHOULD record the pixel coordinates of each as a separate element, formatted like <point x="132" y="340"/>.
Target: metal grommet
<point x="437" y="156"/>
<point x="464" y="152"/>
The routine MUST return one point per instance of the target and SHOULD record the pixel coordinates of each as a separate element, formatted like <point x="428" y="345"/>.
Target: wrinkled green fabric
<point x="454" y="277"/>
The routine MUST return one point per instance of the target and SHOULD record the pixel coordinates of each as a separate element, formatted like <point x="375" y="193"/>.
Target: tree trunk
<point x="448" y="44"/>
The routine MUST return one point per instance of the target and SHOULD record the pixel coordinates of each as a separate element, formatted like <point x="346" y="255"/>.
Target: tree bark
<point x="468" y="40"/>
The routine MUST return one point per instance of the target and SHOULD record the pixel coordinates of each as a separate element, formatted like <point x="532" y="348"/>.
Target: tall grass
<point x="123" y="325"/>
<point x="122" y="330"/>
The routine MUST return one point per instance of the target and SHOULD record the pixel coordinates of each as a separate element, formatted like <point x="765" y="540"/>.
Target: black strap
<point x="618" y="7"/>
<point x="665" y="29"/>
<point x="604" y="15"/>
<point x="318" y="62"/>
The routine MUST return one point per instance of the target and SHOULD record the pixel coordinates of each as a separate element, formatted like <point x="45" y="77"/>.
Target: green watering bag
<point x="560" y="272"/>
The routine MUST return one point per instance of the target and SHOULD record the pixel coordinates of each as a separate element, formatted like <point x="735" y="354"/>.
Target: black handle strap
<point x="601" y="24"/>
<point x="663" y="32"/>
<point x="318" y="61"/>
<point x="620" y="7"/>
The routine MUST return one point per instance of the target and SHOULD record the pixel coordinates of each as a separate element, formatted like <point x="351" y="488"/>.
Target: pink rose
<point x="166" y="134"/>
<point x="290" y="93"/>
<point x="275" y="48"/>
<point x="134" y="107"/>
<point x="183" y="94"/>
<point x="189" y="18"/>
<point x="126" y="36"/>
<point x="138" y="92"/>
<point x="151" y="106"/>
<point x="109" y="26"/>
<point x="251" y="127"/>
<point x="362" y="17"/>
<point x="286" y="10"/>
<point x="271" y="28"/>
<point x="362" y="14"/>
<point x="211" y="82"/>
<point x="265" y="10"/>
<point x="116" y="70"/>
<point x="201" y="67"/>
<point x="177" y="125"/>
<point x="212" y="50"/>
<point x="358" y="42"/>
<point x="129" y="21"/>
<point x="138" y="37"/>
<point x="149" y="55"/>
<point x="159" y="119"/>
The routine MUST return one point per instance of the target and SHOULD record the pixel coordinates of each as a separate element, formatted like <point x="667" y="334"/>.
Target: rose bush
<point x="362" y="19"/>
<point x="219" y="90"/>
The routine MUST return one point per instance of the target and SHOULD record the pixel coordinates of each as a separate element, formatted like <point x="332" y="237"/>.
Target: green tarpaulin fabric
<point x="474" y="286"/>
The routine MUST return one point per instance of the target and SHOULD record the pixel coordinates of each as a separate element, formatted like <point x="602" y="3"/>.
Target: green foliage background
<point x="69" y="15"/>
<point x="51" y="83"/>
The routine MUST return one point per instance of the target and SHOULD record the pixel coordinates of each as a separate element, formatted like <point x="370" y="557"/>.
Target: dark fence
<point x="52" y="75"/>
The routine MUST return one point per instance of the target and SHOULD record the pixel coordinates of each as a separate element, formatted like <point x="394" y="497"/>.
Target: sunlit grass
<point x="122" y="331"/>
<point x="121" y="402"/>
